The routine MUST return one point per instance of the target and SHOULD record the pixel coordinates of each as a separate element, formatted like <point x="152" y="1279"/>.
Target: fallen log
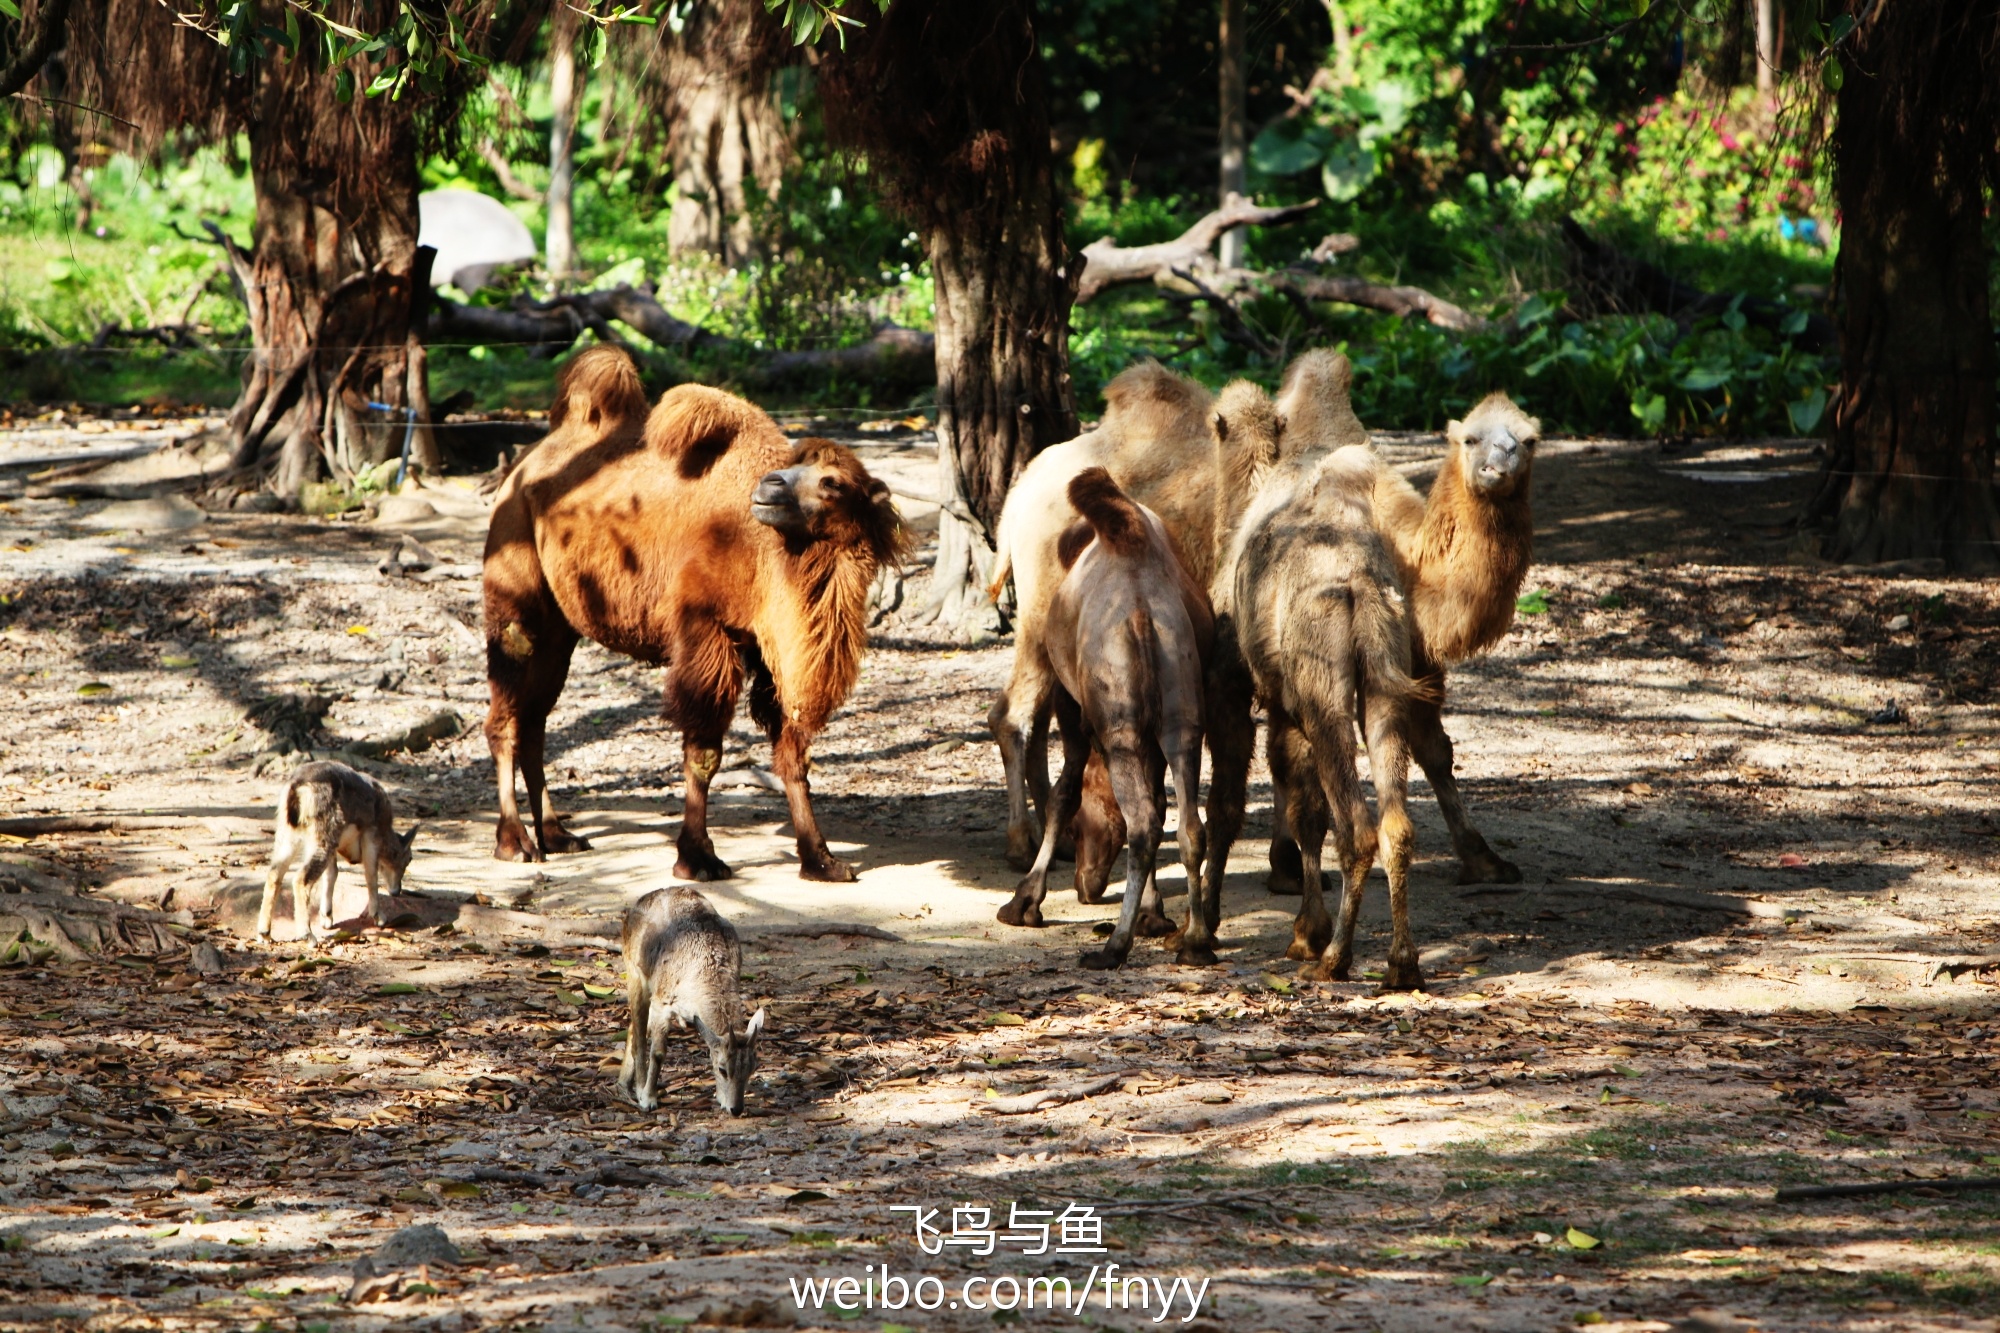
<point x="1108" y="264"/>
<point x="893" y="356"/>
<point x="35" y="925"/>
<point x="1948" y="1183"/>
<point x="1042" y="1099"/>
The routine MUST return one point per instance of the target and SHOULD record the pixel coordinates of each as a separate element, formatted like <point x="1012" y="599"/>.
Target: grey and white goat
<point x="682" y="960"/>
<point x="330" y="813"/>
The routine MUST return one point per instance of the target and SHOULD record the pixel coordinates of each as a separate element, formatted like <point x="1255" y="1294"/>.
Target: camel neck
<point x="1473" y="556"/>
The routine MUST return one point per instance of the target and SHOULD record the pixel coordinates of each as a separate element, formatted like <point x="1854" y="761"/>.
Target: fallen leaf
<point x="1005" y="1020"/>
<point x="599" y="992"/>
<point x="161" y="1233"/>
<point x="1582" y="1240"/>
<point x="94" y="688"/>
<point x="1473" y="1279"/>
<point x="359" y="629"/>
<point x="459" y="1189"/>
<point x="805" y="1196"/>
<point x="1792" y="861"/>
<point x="178" y="662"/>
<point x="398" y="988"/>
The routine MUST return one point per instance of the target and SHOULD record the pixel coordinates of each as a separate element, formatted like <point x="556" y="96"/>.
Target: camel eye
<point x="829" y="484"/>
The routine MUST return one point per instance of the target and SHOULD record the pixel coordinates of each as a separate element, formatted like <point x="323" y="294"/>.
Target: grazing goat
<point x="702" y="540"/>
<point x="330" y="813"/>
<point x="683" y="961"/>
<point x="1126" y="632"/>
<point x="1322" y="626"/>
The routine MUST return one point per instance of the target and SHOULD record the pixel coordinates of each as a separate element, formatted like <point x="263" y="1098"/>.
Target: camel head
<point x="826" y="495"/>
<point x="1496" y="447"/>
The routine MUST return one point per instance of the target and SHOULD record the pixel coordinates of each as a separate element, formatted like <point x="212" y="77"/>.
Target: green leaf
<point x="1003" y="1019"/>
<point x="93" y="689"/>
<point x="1288" y="147"/>
<point x="574" y="997"/>
<point x="1473" y="1279"/>
<point x="1832" y="75"/>
<point x="343" y="86"/>
<point x="1652" y="413"/>
<point x="1806" y="413"/>
<point x="599" y="992"/>
<point x="1793" y="324"/>
<point x="398" y="988"/>
<point x="161" y="1233"/>
<point x="178" y="662"/>
<point x="1533" y="602"/>
<point x="10" y="9"/>
<point x="1611" y="601"/>
<point x="1582" y="1240"/>
<point x="1704" y="377"/>
<point x="459" y="1189"/>
<point x="1348" y="169"/>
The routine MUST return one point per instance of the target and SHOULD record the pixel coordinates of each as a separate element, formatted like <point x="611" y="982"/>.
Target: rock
<point x="205" y="959"/>
<point x="258" y="502"/>
<point x="162" y="513"/>
<point x="410" y="557"/>
<point x="393" y="509"/>
<point x="423" y="1245"/>
<point x="1897" y="624"/>
<point x="465" y="1148"/>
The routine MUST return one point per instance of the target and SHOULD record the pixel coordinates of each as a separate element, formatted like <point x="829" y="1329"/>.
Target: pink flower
<point x="1729" y="142"/>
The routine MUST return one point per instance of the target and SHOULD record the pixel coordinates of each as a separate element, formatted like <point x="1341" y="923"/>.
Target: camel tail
<point x="1381" y="637"/>
<point x="1113" y="517"/>
<point x="1145" y="670"/>
<point x="1003" y="565"/>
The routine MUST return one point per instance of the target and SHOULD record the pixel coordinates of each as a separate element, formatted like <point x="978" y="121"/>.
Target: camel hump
<point x="1113" y="518"/>
<point x="1147" y="400"/>
<point x="695" y="419"/>
<point x="599" y="386"/>
<point x="1315" y="404"/>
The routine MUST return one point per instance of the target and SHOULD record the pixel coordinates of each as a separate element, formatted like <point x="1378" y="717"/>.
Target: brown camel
<point x="1156" y="442"/>
<point x="701" y="539"/>
<point x="1125" y="633"/>
<point x="1322" y="628"/>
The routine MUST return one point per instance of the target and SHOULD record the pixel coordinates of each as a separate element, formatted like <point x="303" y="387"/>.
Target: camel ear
<point x="1221" y="427"/>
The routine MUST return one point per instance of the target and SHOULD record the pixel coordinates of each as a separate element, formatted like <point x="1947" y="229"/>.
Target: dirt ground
<point x="1756" y="945"/>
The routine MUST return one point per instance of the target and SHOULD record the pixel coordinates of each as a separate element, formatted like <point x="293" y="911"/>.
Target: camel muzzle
<point x="775" y="502"/>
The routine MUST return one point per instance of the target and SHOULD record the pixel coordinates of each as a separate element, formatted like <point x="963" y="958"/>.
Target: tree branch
<point x="38" y="41"/>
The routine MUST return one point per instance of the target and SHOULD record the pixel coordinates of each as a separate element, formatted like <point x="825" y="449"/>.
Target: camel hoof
<point x="560" y="842"/>
<point x="702" y="868"/>
<point x="1103" y="960"/>
<point x="1488" y="868"/>
<point x="1198" y="956"/>
<point x="1091" y="894"/>
<point x="511" y="844"/>
<point x="1404" y="978"/>
<point x="831" y="871"/>
<point x="1019" y="912"/>
<point x="1152" y="926"/>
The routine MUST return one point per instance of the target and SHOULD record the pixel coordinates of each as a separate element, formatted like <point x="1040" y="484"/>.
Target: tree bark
<point x="1910" y="473"/>
<point x="329" y="280"/>
<point x="1234" y="113"/>
<point x="560" y="245"/>
<point x="1767" y="44"/>
<point x="41" y="33"/>
<point x="725" y="135"/>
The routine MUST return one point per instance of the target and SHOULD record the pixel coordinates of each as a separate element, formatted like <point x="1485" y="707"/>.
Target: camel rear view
<point x="1126" y="633"/>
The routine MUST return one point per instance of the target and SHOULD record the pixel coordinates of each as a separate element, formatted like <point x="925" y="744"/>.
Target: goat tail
<point x="301" y="805"/>
<point x="1118" y="522"/>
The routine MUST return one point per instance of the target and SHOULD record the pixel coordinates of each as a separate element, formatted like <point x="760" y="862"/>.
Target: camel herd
<point x="1191" y="557"/>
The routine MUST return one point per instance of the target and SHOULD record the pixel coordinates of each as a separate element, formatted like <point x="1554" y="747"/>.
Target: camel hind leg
<point x="1194" y="943"/>
<point x="1431" y="746"/>
<point x="1389" y="760"/>
<point x="1292" y="760"/>
<point x="1138" y="779"/>
<point x="1019" y="721"/>
<point x="1338" y="777"/>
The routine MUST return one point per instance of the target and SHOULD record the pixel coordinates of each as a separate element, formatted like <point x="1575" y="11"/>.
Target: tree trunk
<point x="1233" y="135"/>
<point x="564" y="94"/>
<point x="726" y="137"/>
<point x="1767" y="44"/>
<point x="1910" y="475"/>
<point x="329" y="280"/>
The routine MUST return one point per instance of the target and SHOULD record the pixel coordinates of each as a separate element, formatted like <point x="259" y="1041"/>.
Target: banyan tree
<point x="334" y="109"/>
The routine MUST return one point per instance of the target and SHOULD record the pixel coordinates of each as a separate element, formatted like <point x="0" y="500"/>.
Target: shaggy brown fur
<point x="705" y="541"/>
<point x="1126" y="633"/>
<point x="1321" y="624"/>
<point x="1462" y="554"/>
<point x="1315" y="404"/>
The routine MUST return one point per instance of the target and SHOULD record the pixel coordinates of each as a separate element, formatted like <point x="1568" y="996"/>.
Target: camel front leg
<point x="1428" y="742"/>
<point x="696" y="858"/>
<point x="791" y="763"/>
<point x="1025" y="907"/>
<point x="1231" y="734"/>
<point x="1019" y="723"/>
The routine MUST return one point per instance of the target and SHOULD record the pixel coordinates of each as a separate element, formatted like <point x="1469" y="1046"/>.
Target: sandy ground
<point x="1755" y="946"/>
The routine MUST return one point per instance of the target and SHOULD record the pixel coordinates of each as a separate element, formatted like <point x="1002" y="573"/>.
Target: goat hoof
<point x="1152" y="926"/>
<point x="1103" y="960"/>
<point x="1019" y="912"/>
<point x="1198" y="956"/>
<point x="1488" y="868"/>
<point x="702" y="868"/>
<point x="830" y="871"/>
